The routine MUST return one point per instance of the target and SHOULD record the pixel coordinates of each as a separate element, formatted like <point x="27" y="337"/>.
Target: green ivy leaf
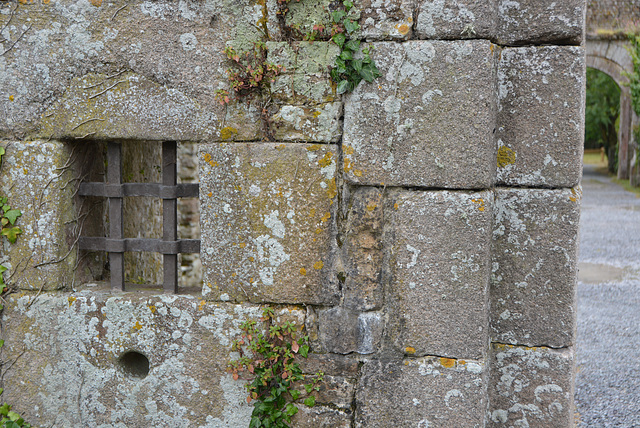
<point x="310" y="401"/>
<point x="295" y="394"/>
<point x="291" y="410"/>
<point x="12" y="215"/>
<point x="369" y="72"/>
<point x="339" y="39"/>
<point x="343" y="86"/>
<point x="346" y="55"/>
<point x="12" y="233"/>
<point x="338" y="15"/>
<point x="304" y="350"/>
<point x="351" y="26"/>
<point x="352" y="45"/>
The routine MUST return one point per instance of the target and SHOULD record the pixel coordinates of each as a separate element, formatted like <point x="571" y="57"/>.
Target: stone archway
<point x="611" y="57"/>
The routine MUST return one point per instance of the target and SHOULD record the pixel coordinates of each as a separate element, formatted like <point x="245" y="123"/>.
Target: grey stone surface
<point x="456" y="19"/>
<point x="37" y="179"/>
<point x="531" y="387"/>
<point x="535" y="242"/>
<point x="384" y="20"/>
<point x="541" y="21"/>
<point x="411" y="126"/>
<point x="68" y="347"/>
<point x="540" y="116"/>
<point x="344" y="331"/>
<point x="268" y="222"/>
<point x="425" y="392"/>
<point x="438" y="254"/>
<point x="362" y="250"/>
<point x="321" y="417"/>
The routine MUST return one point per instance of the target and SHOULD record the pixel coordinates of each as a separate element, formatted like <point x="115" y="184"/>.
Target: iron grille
<point x="115" y="190"/>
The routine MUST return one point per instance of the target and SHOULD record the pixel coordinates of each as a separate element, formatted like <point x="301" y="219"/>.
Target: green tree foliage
<point x="601" y="115"/>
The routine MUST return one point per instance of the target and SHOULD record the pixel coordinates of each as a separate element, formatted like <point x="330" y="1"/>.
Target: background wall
<point x="422" y="228"/>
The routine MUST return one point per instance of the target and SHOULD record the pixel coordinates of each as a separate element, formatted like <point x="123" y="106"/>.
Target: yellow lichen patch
<point x="303" y="271"/>
<point x="348" y="150"/>
<point x="71" y="299"/>
<point x="210" y="194"/>
<point x="251" y="259"/>
<point x="396" y="206"/>
<point x="152" y="308"/>
<point x="506" y="156"/>
<point x="403" y="29"/>
<point x="207" y="157"/>
<point x="96" y="3"/>
<point x="347" y="165"/>
<point x="228" y="133"/>
<point x="318" y="231"/>
<point x="11" y="98"/>
<point x="447" y="362"/>
<point x="357" y="173"/>
<point x="480" y="203"/>
<point x="201" y="304"/>
<point x="316" y="114"/>
<point x="576" y="195"/>
<point x="312" y="212"/>
<point x="137" y="326"/>
<point x="326" y="160"/>
<point x="371" y="207"/>
<point x="325" y="217"/>
<point x="280" y="146"/>
<point x="332" y="189"/>
<point x="409" y="350"/>
<point x="462" y="362"/>
<point x="233" y="275"/>
<point x="318" y="265"/>
<point x="242" y="244"/>
<point x="314" y="147"/>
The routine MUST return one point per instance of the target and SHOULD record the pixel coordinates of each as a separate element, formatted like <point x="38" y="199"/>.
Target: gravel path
<point x="608" y="350"/>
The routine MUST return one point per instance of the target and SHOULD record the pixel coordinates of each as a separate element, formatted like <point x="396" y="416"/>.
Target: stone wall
<point x="422" y="228"/>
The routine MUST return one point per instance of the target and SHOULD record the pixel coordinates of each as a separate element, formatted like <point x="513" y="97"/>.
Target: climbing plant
<point x="268" y="364"/>
<point x="8" y="229"/>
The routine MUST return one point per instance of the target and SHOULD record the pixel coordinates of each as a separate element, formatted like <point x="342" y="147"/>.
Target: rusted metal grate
<point x="116" y="244"/>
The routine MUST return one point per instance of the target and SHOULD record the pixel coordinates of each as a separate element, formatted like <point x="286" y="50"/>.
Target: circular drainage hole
<point x="134" y="364"/>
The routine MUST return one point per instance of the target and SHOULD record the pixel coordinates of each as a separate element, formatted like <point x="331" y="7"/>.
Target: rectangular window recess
<point x="116" y="244"/>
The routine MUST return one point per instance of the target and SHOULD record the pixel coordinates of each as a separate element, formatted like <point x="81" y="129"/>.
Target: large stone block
<point x="534" y="267"/>
<point x="438" y="249"/>
<point x="456" y="19"/>
<point x="173" y="48"/>
<point x="531" y="387"/>
<point x="268" y="222"/>
<point x="69" y="368"/>
<point x="37" y="178"/>
<point x="541" y="21"/>
<point x="412" y="127"/>
<point x="362" y="250"/>
<point x="343" y="331"/>
<point x="427" y="392"/>
<point x="541" y="116"/>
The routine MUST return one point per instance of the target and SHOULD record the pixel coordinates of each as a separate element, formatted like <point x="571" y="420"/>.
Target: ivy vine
<point x="267" y="362"/>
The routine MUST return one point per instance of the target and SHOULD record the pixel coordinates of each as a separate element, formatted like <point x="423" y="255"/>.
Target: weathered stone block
<point x="384" y="20"/>
<point x="175" y="49"/>
<point x="321" y="417"/>
<point x="426" y="392"/>
<point x="38" y="180"/>
<point x="301" y="123"/>
<point x="541" y="21"/>
<point x="343" y="331"/>
<point x="411" y="126"/>
<point x="534" y="267"/>
<point x="541" y="116"/>
<point x="455" y="19"/>
<point x="133" y="108"/>
<point x="438" y="249"/>
<point x="69" y="371"/>
<point x="362" y="247"/>
<point x="268" y="222"/>
<point x="531" y="387"/>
